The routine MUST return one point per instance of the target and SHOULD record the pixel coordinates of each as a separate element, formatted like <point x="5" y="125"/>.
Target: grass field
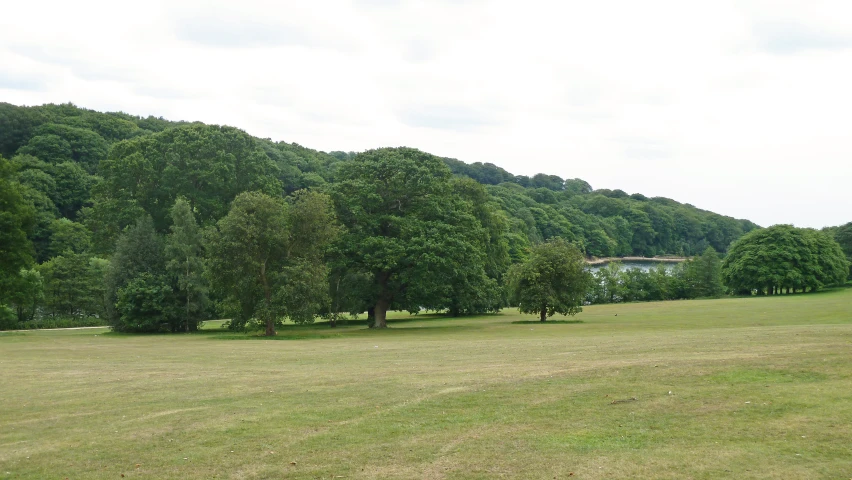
<point x="733" y="388"/>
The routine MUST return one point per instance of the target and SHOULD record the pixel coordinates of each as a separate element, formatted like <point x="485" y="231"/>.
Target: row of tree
<point x="158" y="225"/>
<point x="698" y="277"/>
<point x="783" y="258"/>
<point x="106" y="169"/>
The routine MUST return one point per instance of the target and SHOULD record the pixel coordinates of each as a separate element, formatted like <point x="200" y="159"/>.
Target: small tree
<point x="27" y="294"/>
<point x="608" y="283"/>
<point x="554" y="279"/>
<point x="146" y="304"/>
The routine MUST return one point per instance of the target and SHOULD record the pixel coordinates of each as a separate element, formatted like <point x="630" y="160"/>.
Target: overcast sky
<point x="739" y="107"/>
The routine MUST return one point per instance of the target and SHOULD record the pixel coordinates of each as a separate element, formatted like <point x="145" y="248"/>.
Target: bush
<point x="8" y="319"/>
<point x="61" y="322"/>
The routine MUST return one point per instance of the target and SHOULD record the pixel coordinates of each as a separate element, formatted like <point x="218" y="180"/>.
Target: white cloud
<point x="735" y="107"/>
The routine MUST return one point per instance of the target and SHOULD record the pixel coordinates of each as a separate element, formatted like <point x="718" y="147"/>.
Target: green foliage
<point x="8" y="320"/>
<point x="26" y="294"/>
<point x="73" y="188"/>
<point x="484" y="173"/>
<point x="699" y="277"/>
<point x="73" y="285"/>
<point x="554" y="279"/>
<point x="146" y="304"/>
<point x="49" y="148"/>
<point x="17" y="218"/>
<point x="607" y="283"/>
<point x="96" y="281"/>
<point x="478" y="289"/>
<point x="416" y="236"/>
<point x="266" y="257"/>
<point x="139" y="251"/>
<point x="35" y="174"/>
<point x="17" y="125"/>
<point x="110" y="127"/>
<point x="207" y="165"/>
<point x="67" y="236"/>
<point x="45" y="214"/>
<point x="843" y="236"/>
<point x="705" y="273"/>
<point x="410" y="232"/>
<point x="783" y="257"/>
<point x="184" y="255"/>
<point x="59" y="321"/>
<point x="86" y="147"/>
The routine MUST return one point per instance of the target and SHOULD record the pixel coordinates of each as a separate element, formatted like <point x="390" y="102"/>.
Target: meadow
<point x="729" y="388"/>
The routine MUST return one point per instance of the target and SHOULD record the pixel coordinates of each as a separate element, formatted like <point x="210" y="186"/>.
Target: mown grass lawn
<point x="732" y="388"/>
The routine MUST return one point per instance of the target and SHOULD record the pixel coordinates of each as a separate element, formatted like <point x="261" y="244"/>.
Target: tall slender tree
<point x="705" y="271"/>
<point x="185" y="263"/>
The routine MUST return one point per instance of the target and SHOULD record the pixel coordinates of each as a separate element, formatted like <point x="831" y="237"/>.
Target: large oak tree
<point x="416" y="238"/>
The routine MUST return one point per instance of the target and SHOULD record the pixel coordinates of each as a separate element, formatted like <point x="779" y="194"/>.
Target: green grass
<point x="732" y="388"/>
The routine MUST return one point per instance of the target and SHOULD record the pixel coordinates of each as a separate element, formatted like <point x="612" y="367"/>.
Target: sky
<point x="738" y="107"/>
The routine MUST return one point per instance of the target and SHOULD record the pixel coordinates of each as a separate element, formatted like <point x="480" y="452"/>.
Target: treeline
<point x="60" y="150"/>
<point x="126" y="218"/>
<point x="698" y="277"/>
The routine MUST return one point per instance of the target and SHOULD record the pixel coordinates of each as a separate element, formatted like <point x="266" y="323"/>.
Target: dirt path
<point x="49" y="329"/>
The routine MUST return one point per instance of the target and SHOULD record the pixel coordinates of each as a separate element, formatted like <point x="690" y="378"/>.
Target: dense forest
<point x="118" y="215"/>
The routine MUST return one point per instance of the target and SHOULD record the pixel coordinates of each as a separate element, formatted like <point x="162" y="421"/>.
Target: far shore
<point x="605" y="260"/>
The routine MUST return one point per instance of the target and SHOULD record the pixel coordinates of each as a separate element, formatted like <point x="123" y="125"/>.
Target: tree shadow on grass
<point x="549" y="322"/>
<point x="350" y="328"/>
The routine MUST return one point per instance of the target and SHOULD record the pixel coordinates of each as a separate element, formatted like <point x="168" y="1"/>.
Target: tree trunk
<point x="270" y="322"/>
<point x="186" y="320"/>
<point x="543" y="317"/>
<point x="383" y="303"/>
<point x="381" y="312"/>
<point x="186" y="315"/>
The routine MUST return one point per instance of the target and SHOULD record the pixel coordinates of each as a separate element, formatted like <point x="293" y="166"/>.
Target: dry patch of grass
<point x="737" y="388"/>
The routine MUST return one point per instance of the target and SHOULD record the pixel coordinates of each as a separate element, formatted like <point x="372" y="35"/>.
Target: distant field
<point x="733" y="388"/>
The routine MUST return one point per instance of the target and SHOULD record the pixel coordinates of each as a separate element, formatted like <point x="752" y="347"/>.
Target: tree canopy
<point x="207" y="165"/>
<point x="843" y="235"/>
<point x="17" y="218"/>
<point x="554" y="279"/>
<point x="266" y="257"/>
<point x="783" y="257"/>
<point x="408" y="230"/>
<point x="145" y="211"/>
